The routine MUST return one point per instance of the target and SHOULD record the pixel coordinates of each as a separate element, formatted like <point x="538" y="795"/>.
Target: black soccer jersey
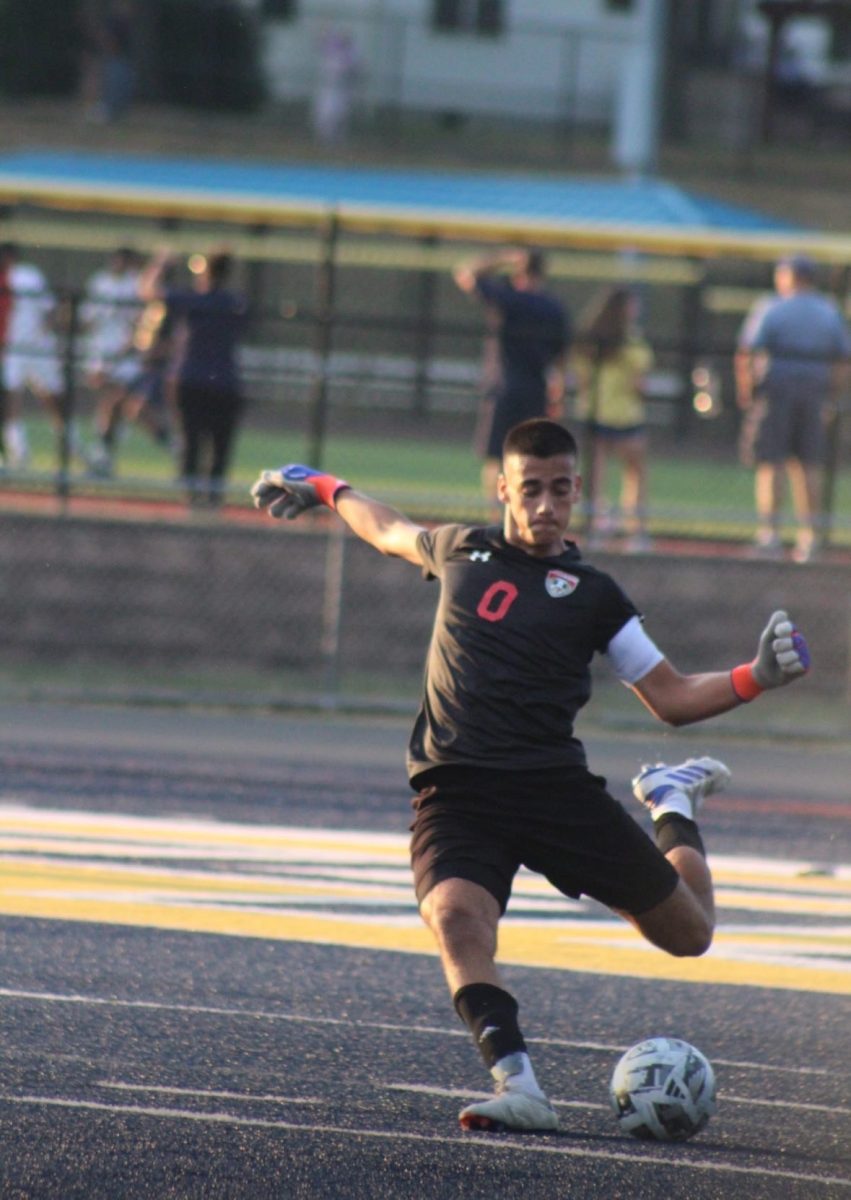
<point x="508" y="665"/>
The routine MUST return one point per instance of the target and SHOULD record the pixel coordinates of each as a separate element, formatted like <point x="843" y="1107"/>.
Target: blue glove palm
<point x="291" y="490"/>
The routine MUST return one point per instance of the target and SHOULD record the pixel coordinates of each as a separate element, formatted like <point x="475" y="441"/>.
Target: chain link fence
<point x="362" y="356"/>
<point x="361" y="350"/>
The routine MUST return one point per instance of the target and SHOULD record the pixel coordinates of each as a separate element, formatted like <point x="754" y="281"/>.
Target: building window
<point x="469" y="16"/>
<point x="278" y="9"/>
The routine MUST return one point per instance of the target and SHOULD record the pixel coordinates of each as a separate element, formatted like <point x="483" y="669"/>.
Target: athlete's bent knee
<point x="682" y="935"/>
<point x="458" y="919"/>
<point x="691" y="943"/>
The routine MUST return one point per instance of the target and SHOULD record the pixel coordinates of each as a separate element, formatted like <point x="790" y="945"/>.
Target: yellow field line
<point x="560" y="948"/>
<point x="135" y="876"/>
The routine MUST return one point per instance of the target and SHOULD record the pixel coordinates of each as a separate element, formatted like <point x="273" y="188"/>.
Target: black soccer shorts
<point x="483" y="825"/>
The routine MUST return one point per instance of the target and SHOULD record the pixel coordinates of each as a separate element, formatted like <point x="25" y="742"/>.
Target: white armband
<point x="632" y="652"/>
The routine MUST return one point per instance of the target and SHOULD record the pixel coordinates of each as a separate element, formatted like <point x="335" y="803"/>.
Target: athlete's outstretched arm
<point x="382" y="526"/>
<point x="677" y="699"/>
<point x="291" y="490"/>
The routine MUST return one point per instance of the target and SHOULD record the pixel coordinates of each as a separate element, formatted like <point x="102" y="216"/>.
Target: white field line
<point x="451" y="1093"/>
<point x="159" y="1089"/>
<point x="237" y="839"/>
<point x="385" y="1026"/>
<point x="466" y="1141"/>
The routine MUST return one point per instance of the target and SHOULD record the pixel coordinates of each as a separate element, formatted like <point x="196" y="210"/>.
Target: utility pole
<point x="635" y="137"/>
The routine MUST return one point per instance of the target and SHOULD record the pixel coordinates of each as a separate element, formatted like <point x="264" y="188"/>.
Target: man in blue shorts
<point x="500" y="779"/>
<point x="790" y="367"/>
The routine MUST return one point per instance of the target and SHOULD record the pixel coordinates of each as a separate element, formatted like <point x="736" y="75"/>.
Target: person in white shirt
<point x="109" y="316"/>
<point x="31" y="359"/>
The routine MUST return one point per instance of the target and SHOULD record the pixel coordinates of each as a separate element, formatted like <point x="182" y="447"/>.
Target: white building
<point x="554" y="59"/>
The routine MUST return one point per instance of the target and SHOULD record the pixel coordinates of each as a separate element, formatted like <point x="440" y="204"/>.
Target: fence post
<point x="692" y="340"/>
<point x="426" y="291"/>
<point x="332" y="614"/>
<point x="831" y="468"/>
<point x="323" y="339"/>
<point x="71" y="323"/>
<point x="839" y="284"/>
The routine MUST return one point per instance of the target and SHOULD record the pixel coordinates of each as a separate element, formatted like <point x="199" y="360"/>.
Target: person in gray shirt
<point x="791" y="365"/>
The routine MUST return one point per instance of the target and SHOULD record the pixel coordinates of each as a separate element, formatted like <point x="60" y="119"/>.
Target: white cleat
<point x="510" y="1110"/>
<point x="696" y="778"/>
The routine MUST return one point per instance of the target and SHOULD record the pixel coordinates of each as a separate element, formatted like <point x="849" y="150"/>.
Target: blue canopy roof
<point x="549" y="200"/>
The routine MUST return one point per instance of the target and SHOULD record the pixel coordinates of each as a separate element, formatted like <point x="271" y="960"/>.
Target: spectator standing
<point x="790" y="367"/>
<point x="109" y="315"/>
<point x="150" y="400"/>
<point x="118" y="73"/>
<point x="337" y="74"/>
<point x="208" y="320"/>
<point x="31" y="359"/>
<point x="5" y="313"/>
<point x="530" y="334"/>
<point x="611" y="361"/>
<point x="90" y="59"/>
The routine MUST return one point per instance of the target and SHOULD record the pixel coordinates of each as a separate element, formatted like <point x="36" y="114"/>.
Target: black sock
<point x="674" y="830"/>
<point x="491" y="1016"/>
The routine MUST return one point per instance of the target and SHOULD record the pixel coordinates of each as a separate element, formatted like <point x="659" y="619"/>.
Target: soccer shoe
<point x="696" y="778"/>
<point x="509" y="1110"/>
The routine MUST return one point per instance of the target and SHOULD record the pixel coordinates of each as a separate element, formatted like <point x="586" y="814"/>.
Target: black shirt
<point x="533" y="331"/>
<point x="508" y="665"/>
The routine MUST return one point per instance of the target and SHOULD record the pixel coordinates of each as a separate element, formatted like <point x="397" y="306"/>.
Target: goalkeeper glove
<point x="291" y="490"/>
<point x="782" y="656"/>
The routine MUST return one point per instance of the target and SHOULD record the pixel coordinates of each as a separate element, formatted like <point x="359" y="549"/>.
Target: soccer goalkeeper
<point x="500" y="780"/>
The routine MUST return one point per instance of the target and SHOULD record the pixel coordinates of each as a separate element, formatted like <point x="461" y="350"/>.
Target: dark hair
<point x="126" y="255"/>
<point x="536" y="263"/>
<point x="605" y="324"/>
<point x="219" y="266"/>
<point x="802" y="267"/>
<point x="539" y="438"/>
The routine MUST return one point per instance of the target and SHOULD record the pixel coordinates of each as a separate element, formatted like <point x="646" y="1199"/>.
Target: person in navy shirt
<point x="208" y="320"/>
<point x="526" y="353"/>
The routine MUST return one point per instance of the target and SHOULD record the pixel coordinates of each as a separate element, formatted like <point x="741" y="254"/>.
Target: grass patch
<point x="429" y="476"/>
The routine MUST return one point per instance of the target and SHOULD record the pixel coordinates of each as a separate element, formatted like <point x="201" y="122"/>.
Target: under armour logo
<point x="480" y="556"/>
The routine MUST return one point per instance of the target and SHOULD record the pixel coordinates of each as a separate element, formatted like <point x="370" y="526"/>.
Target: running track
<point x="215" y="985"/>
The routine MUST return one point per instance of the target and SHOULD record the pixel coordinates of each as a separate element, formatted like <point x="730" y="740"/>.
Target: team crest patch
<point x="559" y="583"/>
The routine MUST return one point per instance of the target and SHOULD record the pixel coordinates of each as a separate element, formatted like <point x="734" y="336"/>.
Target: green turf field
<point x="438" y="478"/>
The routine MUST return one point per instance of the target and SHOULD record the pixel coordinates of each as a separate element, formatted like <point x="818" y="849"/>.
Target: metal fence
<point x="358" y="339"/>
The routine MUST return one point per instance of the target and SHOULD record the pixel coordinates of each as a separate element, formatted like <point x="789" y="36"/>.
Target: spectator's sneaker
<point x="510" y="1110"/>
<point x="767" y="546"/>
<point x="805" y="549"/>
<point x="695" y="779"/>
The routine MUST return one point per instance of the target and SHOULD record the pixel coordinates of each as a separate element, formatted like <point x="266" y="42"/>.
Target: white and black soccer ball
<point x="663" y="1089"/>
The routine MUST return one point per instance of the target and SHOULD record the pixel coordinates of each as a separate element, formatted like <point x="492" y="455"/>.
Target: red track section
<point x="133" y="508"/>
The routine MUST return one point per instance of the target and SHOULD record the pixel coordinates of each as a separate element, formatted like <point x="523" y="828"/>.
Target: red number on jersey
<point x="497" y="600"/>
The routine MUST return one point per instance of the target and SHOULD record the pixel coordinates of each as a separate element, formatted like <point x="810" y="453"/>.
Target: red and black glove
<point x="291" y="490"/>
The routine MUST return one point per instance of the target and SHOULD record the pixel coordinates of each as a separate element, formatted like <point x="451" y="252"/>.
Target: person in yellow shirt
<point x="610" y="362"/>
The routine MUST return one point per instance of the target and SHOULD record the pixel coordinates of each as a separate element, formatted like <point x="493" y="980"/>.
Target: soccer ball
<point x="663" y="1090"/>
